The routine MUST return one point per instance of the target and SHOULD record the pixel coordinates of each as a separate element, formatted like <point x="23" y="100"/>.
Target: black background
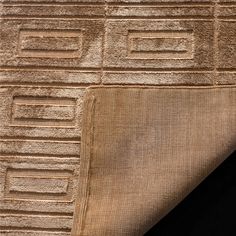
<point x="210" y="210"/>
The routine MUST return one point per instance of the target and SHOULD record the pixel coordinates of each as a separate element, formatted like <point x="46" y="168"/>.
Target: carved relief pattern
<point x="50" y="51"/>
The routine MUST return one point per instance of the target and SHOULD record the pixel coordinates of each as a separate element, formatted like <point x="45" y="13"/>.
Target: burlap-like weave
<point x="144" y="149"/>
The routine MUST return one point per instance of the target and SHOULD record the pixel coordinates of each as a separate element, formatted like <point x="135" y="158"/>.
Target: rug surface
<point x="144" y="149"/>
<point x="52" y="50"/>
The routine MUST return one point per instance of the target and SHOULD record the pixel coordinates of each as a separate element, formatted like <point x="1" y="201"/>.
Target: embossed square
<point x="46" y="43"/>
<point x="41" y="112"/>
<point x="168" y="44"/>
<point x="37" y="190"/>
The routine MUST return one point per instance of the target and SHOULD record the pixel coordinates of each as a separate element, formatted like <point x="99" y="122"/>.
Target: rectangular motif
<point x="50" y="43"/>
<point x="38" y="184"/>
<point x="161" y="45"/>
<point x="157" y="44"/>
<point x="33" y="183"/>
<point x="41" y="111"/>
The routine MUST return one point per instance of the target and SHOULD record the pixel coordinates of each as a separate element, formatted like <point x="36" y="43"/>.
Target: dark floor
<point x="210" y="210"/>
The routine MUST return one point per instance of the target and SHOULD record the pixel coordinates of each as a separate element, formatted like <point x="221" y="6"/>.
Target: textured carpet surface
<point x="52" y="50"/>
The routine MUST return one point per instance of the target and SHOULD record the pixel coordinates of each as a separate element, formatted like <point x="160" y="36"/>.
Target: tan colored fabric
<point x="144" y="150"/>
<point x="51" y="50"/>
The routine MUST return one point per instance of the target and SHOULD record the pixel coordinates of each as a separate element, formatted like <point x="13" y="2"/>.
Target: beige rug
<point x="144" y="149"/>
<point x="52" y="50"/>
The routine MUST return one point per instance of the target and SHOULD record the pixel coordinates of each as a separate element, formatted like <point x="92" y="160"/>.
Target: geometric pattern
<point x="50" y="51"/>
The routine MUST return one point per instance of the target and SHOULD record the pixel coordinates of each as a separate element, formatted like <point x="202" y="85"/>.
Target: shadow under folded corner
<point x="208" y="210"/>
